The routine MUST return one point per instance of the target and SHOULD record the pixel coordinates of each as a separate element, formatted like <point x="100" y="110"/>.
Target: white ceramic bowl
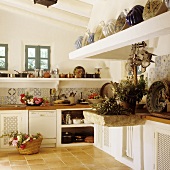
<point x="95" y="101"/>
<point x="76" y="121"/>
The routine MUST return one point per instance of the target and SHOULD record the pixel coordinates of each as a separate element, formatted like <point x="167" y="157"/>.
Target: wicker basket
<point x="32" y="147"/>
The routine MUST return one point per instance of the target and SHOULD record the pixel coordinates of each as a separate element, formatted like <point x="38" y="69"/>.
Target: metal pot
<point x="67" y="137"/>
<point x="20" y="74"/>
<point x="4" y="74"/>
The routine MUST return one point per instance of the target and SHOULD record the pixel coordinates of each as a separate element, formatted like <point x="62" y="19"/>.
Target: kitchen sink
<point x="12" y="105"/>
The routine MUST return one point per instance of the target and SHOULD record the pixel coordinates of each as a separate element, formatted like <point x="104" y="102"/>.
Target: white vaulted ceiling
<point x="72" y="12"/>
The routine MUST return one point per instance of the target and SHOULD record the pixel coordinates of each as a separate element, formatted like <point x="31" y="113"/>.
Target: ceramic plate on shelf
<point x="98" y="33"/>
<point x="108" y="29"/>
<point x="157" y="96"/>
<point x="121" y="23"/>
<point x="107" y="90"/>
<point x="85" y="38"/>
<point x="153" y="8"/>
<point x="79" y="72"/>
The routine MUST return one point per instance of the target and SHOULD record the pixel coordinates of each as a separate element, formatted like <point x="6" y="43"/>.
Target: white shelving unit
<point x="71" y="127"/>
<point x="43" y="82"/>
<point x="118" y="45"/>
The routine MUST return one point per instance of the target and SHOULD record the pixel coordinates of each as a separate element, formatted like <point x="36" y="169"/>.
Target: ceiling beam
<point x="52" y="13"/>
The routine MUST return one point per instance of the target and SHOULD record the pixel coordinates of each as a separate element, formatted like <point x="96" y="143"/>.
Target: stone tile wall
<point x="161" y="71"/>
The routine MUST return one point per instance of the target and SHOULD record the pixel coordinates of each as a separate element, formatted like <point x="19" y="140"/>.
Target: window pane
<point x="44" y="64"/>
<point x="31" y="63"/>
<point x="31" y="52"/>
<point x="2" y="51"/>
<point x="2" y="62"/>
<point x="43" y="53"/>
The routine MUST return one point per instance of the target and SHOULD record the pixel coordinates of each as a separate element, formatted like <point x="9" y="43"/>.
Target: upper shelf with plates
<point x="118" y="46"/>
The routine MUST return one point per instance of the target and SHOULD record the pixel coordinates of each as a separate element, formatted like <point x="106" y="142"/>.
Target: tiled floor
<point x="70" y="158"/>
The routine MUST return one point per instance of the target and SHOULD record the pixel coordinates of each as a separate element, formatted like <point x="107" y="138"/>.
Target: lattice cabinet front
<point x="9" y="122"/>
<point x="162" y="151"/>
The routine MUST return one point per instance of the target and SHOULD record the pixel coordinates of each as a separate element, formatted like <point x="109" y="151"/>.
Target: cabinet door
<point x="162" y="148"/>
<point x="98" y="136"/>
<point x="12" y="121"/>
<point x="106" y="139"/>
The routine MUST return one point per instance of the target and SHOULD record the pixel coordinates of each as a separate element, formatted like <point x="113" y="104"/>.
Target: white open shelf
<point x="117" y="46"/>
<point x="7" y="82"/>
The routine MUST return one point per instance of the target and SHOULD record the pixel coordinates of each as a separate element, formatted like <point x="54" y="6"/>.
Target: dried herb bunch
<point x="111" y="107"/>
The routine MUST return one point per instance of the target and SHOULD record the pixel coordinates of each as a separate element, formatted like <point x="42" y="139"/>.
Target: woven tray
<point x="32" y="147"/>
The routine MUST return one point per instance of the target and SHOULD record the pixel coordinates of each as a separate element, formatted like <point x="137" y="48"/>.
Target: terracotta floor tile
<point x="60" y="168"/>
<point x="35" y="156"/>
<point x="79" y="168"/>
<point x="17" y="157"/>
<point x="5" y="168"/>
<point x="49" y="155"/>
<point x="67" y="158"/>
<point x="55" y="164"/>
<point x="64" y="154"/>
<point x="39" y="167"/>
<point x="52" y="159"/>
<point x="36" y="161"/>
<point x="16" y="163"/>
<point x="4" y="163"/>
<point x="24" y="167"/>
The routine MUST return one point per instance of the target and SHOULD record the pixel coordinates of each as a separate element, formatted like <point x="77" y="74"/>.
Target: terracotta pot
<point x="129" y="106"/>
<point x="47" y="74"/>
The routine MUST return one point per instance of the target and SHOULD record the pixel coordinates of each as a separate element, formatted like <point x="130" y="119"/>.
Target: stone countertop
<point x="76" y="106"/>
<point x="114" y="120"/>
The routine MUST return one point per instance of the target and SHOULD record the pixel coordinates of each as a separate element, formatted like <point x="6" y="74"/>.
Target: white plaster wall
<point x="18" y="30"/>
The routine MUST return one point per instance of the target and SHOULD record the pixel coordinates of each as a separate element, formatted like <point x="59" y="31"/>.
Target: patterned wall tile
<point x="3" y="91"/>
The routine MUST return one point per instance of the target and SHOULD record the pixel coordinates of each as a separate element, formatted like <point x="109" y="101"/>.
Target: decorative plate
<point x="121" y="23"/>
<point x="79" y="72"/>
<point x="108" y="29"/>
<point x="85" y="38"/>
<point x="78" y="43"/>
<point x="107" y="90"/>
<point x="153" y="8"/>
<point x="98" y="33"/>
<point x="157" y="96"/>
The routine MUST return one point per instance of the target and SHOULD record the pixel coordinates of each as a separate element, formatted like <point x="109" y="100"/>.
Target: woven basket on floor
<point x="32" y="147"/>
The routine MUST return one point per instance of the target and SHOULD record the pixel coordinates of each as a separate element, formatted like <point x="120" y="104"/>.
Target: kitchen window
<point x="3" y="56"/>
<point x="37" y="57"/>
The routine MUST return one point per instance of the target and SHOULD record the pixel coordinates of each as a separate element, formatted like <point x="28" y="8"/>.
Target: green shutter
<point x="36" y="56"/>
<point x="3" y="56"/>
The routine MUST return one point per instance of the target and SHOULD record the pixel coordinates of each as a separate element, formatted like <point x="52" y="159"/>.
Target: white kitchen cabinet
<point x="72" y="128"/>
<point x="103" y="138"/>
<point x="156" y="146"/>
<point x="123" y="143"/>
<point x="12" y="120"/>
<point x="118" y="45"/>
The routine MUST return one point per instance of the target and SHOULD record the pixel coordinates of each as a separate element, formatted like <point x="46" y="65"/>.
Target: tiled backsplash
<point x="12" y="95"/>
<point x="161" y="71"/>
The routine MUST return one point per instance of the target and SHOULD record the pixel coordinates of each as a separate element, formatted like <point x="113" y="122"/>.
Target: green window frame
<point x="37" y="57"/>
<point x="3" y="56"/>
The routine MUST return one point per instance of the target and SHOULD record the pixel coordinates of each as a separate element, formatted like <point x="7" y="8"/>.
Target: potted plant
<point x="25" y="143"/>
<point x="110" y="106"/>
<point x="129" y="93"/>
